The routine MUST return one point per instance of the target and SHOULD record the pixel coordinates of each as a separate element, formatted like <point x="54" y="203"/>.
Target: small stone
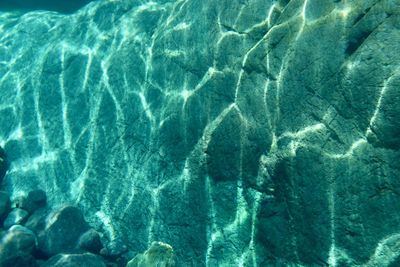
<point x="123" y="259"/>
<point x="3" y="164"/>
<point x="62" y="231"/>
<point x="90" y="241"/>
<point x="35" y="199"/>
<point x="18" y="201"/>
<point x="114" y="249"/>
<point x="17" y="247"/>
<point x="37" y="221"/>
<point x="5" y="204"/>
<point x="159" y="254"/>
<point x="75" y="260"/>
<point x="16" y="216"/>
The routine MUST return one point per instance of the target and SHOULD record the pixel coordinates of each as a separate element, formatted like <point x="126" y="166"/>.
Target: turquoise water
<point x="62" y="6"/>
<point x="200" y="133"/>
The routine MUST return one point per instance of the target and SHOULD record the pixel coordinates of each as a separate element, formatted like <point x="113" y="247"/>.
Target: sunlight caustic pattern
<point x="224" y="128"/>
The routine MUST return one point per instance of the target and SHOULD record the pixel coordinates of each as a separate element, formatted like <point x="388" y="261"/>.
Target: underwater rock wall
<point x="242" y="133"/>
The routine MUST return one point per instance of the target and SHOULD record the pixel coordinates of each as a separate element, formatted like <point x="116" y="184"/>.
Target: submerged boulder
<point x="35" y="199"/>
<point x="62" y="232"/>
<point x="90" y="241"/>
<point x="17" y="246"/>
<point x="16" y="216"/>
<point x="37" y="221"/>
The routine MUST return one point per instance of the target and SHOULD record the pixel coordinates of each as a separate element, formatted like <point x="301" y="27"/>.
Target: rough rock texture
<point x="253" y="133"/>
<point x="114" y="249"/>
<point x="159" y="254"/>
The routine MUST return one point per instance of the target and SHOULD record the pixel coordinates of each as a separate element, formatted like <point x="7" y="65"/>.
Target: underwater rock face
<point x="251" y="133"/>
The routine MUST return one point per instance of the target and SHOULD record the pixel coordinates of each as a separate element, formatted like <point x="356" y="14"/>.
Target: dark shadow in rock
<point x="62" y="6"/>
<point x="5" y="205"/>
<point x="3" y="164"/>
<point x="355" y="42"/>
